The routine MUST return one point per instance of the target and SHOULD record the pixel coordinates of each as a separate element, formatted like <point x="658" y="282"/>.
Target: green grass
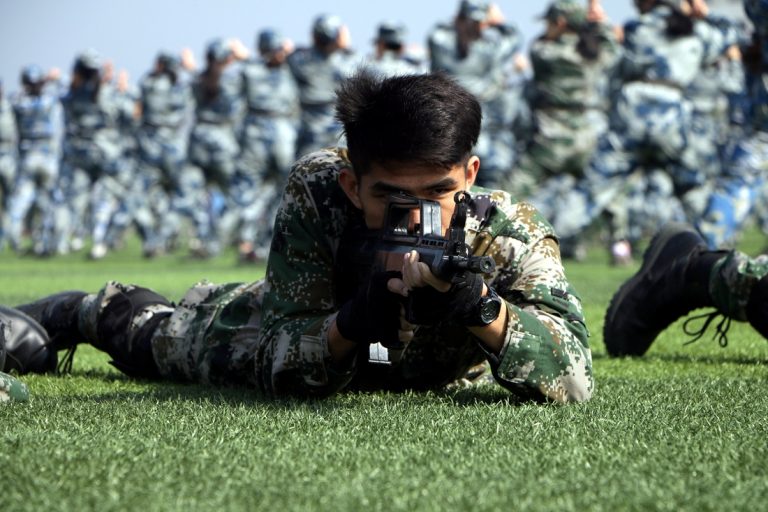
<point x="683" y="428"/>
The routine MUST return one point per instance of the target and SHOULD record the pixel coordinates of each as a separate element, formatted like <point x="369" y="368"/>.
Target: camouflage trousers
<point x="648" y="119"/>
<point x="33" y="188"/>
<point x="735" y="191"/>
<point x="12" y="389"/>
<point x="268" y="148"/>
<point x="212" y="335"/>
<point x="732" y="279"/>
<point x="7" y="174"/>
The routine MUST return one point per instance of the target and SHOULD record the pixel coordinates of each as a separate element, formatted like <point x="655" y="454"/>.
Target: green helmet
<point x="476" y="10"/>
<point x="573" y="12"/>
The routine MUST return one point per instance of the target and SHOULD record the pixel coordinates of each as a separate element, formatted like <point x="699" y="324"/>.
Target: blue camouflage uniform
<point x="392" y="59"/>
<point x="746" y="169"/>
<point x="38" y="117"/>
<point x="568" y="112"/>
<point x="8" y="152"/>
<point x="127" y="211"/>
<point x="213" y="146"/>
<point x="483" y="68"/>
<point x="318" y="73"/>
<point x="166" y="107"/>
<point x="649" y="123"/>
<point x="92" y="175"/>
<point x="272" y="335"/>
<point x="267" y="141"/>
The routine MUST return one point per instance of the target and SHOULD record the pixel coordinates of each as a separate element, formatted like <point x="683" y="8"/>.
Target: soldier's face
<point x="371" y="191"/>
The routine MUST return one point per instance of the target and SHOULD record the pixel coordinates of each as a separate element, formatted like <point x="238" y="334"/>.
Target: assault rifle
<point x="445" y="255"/>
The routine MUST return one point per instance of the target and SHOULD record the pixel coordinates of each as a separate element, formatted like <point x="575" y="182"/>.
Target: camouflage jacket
<point x="545" y="352"/>
<point x="563" y="78"/>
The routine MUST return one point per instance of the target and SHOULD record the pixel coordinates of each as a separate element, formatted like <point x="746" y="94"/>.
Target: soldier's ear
<point x="473" y="167"/>
<point x="350" y="186"/>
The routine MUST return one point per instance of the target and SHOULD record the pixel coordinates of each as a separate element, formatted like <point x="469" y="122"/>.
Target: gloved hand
<point x="374" y="314"/>
<point x="431" y="301"/>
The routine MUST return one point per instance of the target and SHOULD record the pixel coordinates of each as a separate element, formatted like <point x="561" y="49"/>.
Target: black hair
<point x="424" y="119"/>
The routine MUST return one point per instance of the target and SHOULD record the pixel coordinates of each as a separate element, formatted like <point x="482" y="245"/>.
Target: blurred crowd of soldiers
<point x="661" y="119"/>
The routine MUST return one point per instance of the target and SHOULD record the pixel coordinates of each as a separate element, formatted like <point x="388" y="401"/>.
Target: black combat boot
<point x="27" y="347"/>
<point x="672" y="281"/>
<point x="58" y="314"/>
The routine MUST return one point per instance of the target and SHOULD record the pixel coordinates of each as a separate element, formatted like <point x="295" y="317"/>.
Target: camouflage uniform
<point x="8" y="148"/>
<point x="213" y="150"/>
<point x="485" y="72"/>
<point x="744" y="175"/>
<point x="273" y="334"/>
<point x="568" y="113"/>
<point x="11" y="389"/>
<point x="129" y="211"/>
<point x="92" y="174"/>
<point x="392" y="62"/>
<point x="318" y="75"/>
<point x="38" y="119"/>
<point x="650" y="120"/>
<point x="267" y="146"/>
<point x="165" y="108"/>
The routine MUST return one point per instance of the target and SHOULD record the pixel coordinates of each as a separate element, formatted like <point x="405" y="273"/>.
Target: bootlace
<point x="721" y="330"/>
<point x="65" y="364"/>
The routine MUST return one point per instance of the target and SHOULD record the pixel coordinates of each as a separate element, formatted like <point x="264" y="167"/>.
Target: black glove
<point x="428" y="306"/>
<point x="374" y="314"/>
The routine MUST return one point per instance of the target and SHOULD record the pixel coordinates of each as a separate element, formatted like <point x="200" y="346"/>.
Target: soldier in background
<point x="664" y="49"/>
<point x="569" y="61"/>
<point x="91" y="178"/>
<point x="213" y="145"/>
<point x="318" y="70"/>
<point x="737" y="189"/>
<point x="477" y="49"/>
<point x="267" y="142"/>
<point x="8" y="155"/>
<point x="38" y="117"/>
<point x="166" y="107"/>
<point x="390" y="57"/>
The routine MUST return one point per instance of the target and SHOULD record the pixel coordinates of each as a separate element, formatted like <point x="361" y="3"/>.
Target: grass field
<point x="683" y="428"/>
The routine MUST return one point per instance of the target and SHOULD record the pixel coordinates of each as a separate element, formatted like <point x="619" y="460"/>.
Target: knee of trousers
<point x="757" y="307"/>
<point x="125" y="328"/>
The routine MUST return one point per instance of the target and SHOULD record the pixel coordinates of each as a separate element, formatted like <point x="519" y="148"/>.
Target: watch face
<point x="490" y="310"/>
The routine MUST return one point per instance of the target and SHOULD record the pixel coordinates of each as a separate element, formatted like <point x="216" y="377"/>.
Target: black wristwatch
<point x="487" y="309"/>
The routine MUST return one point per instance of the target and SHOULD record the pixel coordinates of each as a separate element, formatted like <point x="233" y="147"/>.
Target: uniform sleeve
<point x="545" y="353"/>
<point x="292" y="356"/>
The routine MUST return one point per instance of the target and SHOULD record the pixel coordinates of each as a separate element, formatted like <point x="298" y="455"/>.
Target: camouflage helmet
<point x="391" y="33"/>
<point x="574" y="14"/>
<point x="89" y="59"/>
<point x="269" y="40"/>
<point x="169" y="61"/>
<point x="326" y="28"/>
<point x="218" y="50"/>
<point x="476" y="10"/>
<point x="32" y="74"/>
